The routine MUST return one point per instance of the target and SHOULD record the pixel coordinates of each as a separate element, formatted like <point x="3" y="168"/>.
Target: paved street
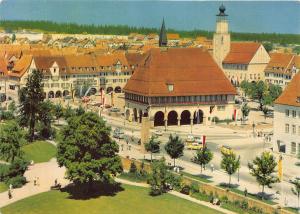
<point x="241" y="141"/>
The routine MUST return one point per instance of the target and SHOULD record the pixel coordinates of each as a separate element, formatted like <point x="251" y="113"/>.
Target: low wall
<point x="209" y="188"/>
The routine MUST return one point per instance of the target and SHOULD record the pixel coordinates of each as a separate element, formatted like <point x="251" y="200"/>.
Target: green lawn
<point x="197" y="177"/>
<point x="39" y="151"/>
<point x="3" y="187"/>
<point x="133" y="200"/>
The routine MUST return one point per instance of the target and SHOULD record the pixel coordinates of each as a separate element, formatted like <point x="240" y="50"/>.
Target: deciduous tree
<point x="58" y="112"/>
<point x="245" y="111"/>
<point x="203" y="157"/>
<point x="263" y="169"/>
<point x="87" y="150"/>
<point x="174" y="147"/>
<point x="230" y="163"/>
<point x="11" y="140"/>
<point x="153" y="146"/>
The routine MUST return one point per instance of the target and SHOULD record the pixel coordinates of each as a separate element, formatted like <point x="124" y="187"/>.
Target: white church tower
<point x="221" y="40"/>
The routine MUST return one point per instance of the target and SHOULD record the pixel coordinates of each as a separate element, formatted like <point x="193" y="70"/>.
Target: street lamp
<point x="253" y="126"/>
<point x="239" y="171"/>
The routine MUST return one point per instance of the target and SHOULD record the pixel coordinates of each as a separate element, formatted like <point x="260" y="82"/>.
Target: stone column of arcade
<point x="145" y="132"/>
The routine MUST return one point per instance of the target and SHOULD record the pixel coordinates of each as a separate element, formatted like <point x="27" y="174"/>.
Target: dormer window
<point x="170" y="87"/>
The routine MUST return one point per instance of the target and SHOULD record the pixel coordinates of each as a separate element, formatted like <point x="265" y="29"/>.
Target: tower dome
<point x="222" y="8"/>
<point x="222" y="11"/>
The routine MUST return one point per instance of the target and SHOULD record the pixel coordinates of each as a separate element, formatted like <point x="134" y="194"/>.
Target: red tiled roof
<point x="43" y="63"/>
<point x="241" y="52"/>
<point x="21" y="66"/>
<point x="192" y="71"/>
<point x="3" y="66"/>
<point x="292" y="92"/>
<point x="282" y="63"/>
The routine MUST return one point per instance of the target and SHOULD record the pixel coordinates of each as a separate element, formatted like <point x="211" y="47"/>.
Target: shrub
<point x="224" y="199"/>
<point x="18" y="167"/>
<point x="133" y="168"/>
<point x="185" y="189"/>
<point x="174" y="181"/>
<point x="194" y="187"/>
<point x="4" y="170"/>
<point x="244" y="205"/>
<point x="215" y="119"/>
<point x="155" y="191"/>
<point x="17" y="181"/>
<point x="6" y="115"/>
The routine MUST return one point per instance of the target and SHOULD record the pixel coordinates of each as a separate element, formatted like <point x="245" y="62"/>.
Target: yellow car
<point x="194" y="146"/>
<point x="226" y="150"/>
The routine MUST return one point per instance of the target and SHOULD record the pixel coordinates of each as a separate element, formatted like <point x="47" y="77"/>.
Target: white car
<point x="158" y="132"/>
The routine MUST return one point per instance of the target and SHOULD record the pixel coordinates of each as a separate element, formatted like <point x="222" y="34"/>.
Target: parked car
<point x="226" y="150"/>
<point x="119" y="130"/>
<point x="190" y="139"/>
<point x="158" y="132"/>
<point x="114" y="109"/>
<point x="118" y="133"/>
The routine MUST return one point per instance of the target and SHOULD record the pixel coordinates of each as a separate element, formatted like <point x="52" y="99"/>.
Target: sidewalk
<point x="46" y="172"/>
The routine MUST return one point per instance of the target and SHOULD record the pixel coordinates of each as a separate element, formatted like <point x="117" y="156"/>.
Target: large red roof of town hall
<point x="192" y="71"/>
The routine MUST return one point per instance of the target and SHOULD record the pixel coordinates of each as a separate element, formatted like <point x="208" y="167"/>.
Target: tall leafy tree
<point x="68" y="112"/>
<point x="274" y="91"/>
<point x="174" y="147"/>
<point x="45" y="116"/>
<point x="259" y="90"/>
<point x="11" y="139"/>
<point x="263" y="169"/>
<point x="12" y="107"/>
<point x="30" y="98"/>
<point x="230" y="163"/>
<point x="245" y="111"/>
<point x="268" y="46"/>
<point x="265" y="110"/>
<point x="296" y="190"/>
<point x="87" y="150"/>
<point x="203" y="157"/>
<point x="58" y="112"/>
<point x="160" y="179"/>
<point x="153" y="146"/>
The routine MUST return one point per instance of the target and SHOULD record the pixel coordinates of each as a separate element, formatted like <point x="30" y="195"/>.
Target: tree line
<point x="73" y="28"/>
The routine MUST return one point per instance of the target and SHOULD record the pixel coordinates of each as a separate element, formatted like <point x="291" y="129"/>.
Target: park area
<point x="39" y="151"/>
<point x="130" y="200"/>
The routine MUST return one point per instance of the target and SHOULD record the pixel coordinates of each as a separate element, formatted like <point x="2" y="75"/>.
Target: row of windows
<point x="114" y="73"/>
<point x="294" y="129"/>
<point x="294" y="148"/>
<point x="292" y="113"/>
<point x="118" y="67"/>
<point x="177" y="99"/>
<point x="235" y="66"/>
<point x="288" y="77"/>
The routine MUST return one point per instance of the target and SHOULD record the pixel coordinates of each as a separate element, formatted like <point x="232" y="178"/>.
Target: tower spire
<point x="163" y="41"/>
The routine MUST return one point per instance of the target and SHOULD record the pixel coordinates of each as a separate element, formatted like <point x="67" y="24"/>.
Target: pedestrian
<point x="10" y="186"/>
<point x="34" y="181"/>
<point x="55" y="182"/>
<point x="122" y="147"/>
<point x="9" y="194"/>
<point x="212" y="167"/>
<point x="245" y="192"/>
